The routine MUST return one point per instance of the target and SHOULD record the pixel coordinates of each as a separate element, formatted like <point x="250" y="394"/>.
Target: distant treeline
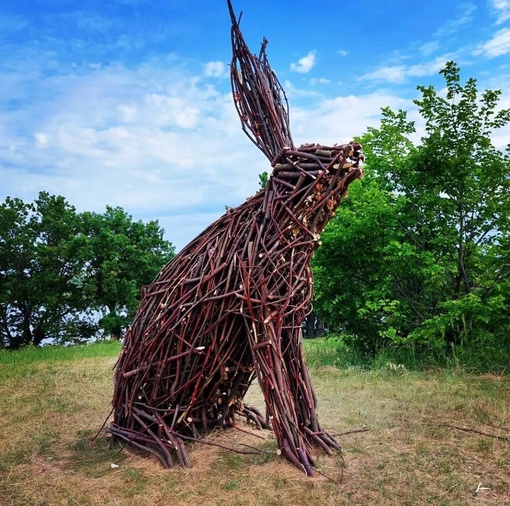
<point x="66" y="277"/>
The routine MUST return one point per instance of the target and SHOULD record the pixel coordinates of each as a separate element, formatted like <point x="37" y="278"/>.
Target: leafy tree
<point x="39" y="259"/>
<point x="352" y="281"/>
<point x="263" y="179"/>
<point x="428" y="229"/>
<point x="60" y="269"/>
<point x="123" y="256"/>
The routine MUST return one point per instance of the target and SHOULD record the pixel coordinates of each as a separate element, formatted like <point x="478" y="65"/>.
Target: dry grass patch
<point x="415" y="451"/>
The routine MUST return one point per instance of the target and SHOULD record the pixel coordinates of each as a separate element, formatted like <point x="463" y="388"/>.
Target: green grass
<point x="412" y="451"/>
<point x="332" y="351"/>
<point x="335" y="351"/>
<point x="24" y="363"/>
<point x="31" y="354"/>
<point x="322" y="352"/>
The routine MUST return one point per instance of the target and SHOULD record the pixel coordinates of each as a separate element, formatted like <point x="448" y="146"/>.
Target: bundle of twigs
<point x="230" y="306"/>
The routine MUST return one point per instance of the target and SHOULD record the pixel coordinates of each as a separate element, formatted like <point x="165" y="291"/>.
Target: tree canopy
<point x="68" y="276"/>
<point x="420" y="253"/>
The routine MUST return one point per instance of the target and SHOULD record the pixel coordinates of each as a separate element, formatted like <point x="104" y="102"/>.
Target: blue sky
<point x="127" y="102"/>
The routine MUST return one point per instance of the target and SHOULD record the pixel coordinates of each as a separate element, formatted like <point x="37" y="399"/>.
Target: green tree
<point x="122" y="256"/>
<point x="39" y="260"/>
<point x="435" y="220"/>
<point x="61" y="271"/>
<point x="353" y="291"/>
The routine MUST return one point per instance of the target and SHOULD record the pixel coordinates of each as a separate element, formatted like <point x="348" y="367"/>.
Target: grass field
<point x="409" y="438"/>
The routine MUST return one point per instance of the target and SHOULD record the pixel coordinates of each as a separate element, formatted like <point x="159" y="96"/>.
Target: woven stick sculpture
<point x="230" y="306"/>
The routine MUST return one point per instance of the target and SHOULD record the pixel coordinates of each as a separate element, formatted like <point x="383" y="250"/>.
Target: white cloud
<point x="464" y="18"/>
<point x="41" y="139"/>
<point x="215" y="69"/>
<point x="342" y="52"/>
<point x="294" y="92"/>
<point x="171" y="111"/>
<point x="394" y="74"/>
<point x="497" y="46"/>
<point x="127" y="113"/>
<point x="319" y="80"/>
<point x="398" y="74"/>
<point x="339" y="119"/>
<point x="430" y="47"/>
<point x="429" y="68"/>
<point x="165" y="143"/>
<point x="502" y="10"/>
<point x="305" y="64"/>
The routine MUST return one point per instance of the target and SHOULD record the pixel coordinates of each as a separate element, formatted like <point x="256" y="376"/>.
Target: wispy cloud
<point x="215" y="69"/>
<point x="155" y="146"/>
<point x="398" y="74"/>
<point x="319" y="80"/>
<point x="465" y="17"/>
<point x="429" y="48"/>
<point x="305" y="64"/>
<point x="501" y="9"/>
<point x="394" y="74"/>
<point x="497" y="46"/>
<point x="339" y="119"/>
<point x="294" y="92"/>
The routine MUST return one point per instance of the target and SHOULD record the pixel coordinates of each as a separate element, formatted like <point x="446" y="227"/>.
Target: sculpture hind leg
<point x="287" y="390"/>
<point x="302" y="391"/>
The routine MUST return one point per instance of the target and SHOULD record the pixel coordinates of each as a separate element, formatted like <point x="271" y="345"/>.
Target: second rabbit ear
<point x="258" y="96"/>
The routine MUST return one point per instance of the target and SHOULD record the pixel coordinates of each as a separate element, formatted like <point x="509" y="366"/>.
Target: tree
<point x="436" y="219"/>
<point x="59" y="269"/>
<point x="352" y="282"/>
<point x="39" y="261"/>
<point x="124" y="255"/>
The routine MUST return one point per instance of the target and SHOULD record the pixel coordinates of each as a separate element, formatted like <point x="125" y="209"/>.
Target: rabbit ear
<point x="258" y="96"/>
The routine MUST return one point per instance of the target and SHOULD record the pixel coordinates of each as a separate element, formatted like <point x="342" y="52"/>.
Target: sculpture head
<point x="310" y="179"/>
